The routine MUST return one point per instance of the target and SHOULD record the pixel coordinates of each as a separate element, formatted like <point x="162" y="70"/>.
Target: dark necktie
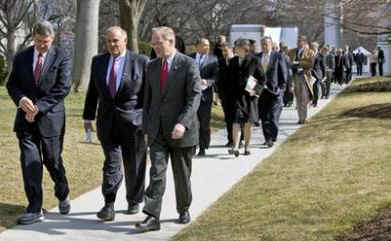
<point x="113" y="77"/>
<point x="38" y="69"/>
<point x="163" y="75"/>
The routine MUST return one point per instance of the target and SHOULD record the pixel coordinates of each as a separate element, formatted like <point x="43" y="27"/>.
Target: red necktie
<point x="163" y="75"/>
<point x="113" y="78"/>
<point x="38" y="69"/>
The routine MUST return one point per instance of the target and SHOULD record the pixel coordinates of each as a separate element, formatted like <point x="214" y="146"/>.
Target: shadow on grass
<point x="378" y="111"/>
<point x="378" y="229"/>
<point x="382" y="85"/>
<point x="8" y="212"/>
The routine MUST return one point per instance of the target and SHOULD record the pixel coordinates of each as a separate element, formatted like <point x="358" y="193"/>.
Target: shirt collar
<point x="120" y="56"/>
<point x="36" y="53"/>
<point x="171" y="58"/>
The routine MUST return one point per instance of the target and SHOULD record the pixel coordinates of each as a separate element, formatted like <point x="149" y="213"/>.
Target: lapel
<point x="30" y="62"/>
<point x="155" y="77"/>
<point x="171" y="74"/>
<point x="127" y="70"/>
<point x="104" y="65"/>
<point x="50" y="57"/>
<point x="204" y="62"/>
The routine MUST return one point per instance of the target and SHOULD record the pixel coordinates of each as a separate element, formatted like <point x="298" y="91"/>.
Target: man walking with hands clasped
<point x="39" y="82"/>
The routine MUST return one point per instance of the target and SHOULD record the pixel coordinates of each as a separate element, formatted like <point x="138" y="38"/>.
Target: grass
<point x="328" y="177"/>
<point x="83" y="162"/>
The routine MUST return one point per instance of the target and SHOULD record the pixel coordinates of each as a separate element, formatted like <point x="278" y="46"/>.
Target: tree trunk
<point x="11" y="48"/>
<point x="130" y="13"/>
<point x="86" y="43"/>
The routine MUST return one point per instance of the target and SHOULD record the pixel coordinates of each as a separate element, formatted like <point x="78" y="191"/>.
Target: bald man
<point x="117" y="80"/>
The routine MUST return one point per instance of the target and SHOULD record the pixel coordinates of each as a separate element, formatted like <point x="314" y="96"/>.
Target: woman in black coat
<point x="245" y="106"/>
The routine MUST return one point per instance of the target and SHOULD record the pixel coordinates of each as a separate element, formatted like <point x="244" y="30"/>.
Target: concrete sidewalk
<point x="212" y="176"/>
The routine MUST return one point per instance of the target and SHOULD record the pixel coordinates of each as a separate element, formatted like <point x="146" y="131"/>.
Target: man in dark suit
<point x="172" y="98"/>
<point x="360" y="60"/>
<point x="380" y="60"/>
<point x="208" y="67"/>
<point x="270" y="100"/>
<point x="39" y="82"/>
<point x="117" y="80"/>
<point x="318" y="72"/>
<point x="349" y="64"/>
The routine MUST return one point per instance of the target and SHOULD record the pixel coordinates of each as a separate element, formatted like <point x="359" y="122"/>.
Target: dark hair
<point x="44" y="28"/>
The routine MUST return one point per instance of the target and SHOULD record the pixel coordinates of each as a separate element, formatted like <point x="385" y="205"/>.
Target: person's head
<point x="253" y="46"/>
<point x="324" y="50"/>
<point x="379" y="48"/>
<point x="221" y="39"/>
<point x="302" y="41"/>
<point x="163" y="41"/>
<point x="116" y="40"/>
<point x="359" y="50"/>
<point x="284" y="48"/>
<point x="339" y="51"/>
<point x="275" y="46"/>
<point x="266" y="43"/>
<point x="242" y="47"/>
<point x="202" y="46"/>
<point x="43" y="36"/>
<point x="227" y="51"/>
<point x="347" y="48"/>
<point x="315" y="46"/>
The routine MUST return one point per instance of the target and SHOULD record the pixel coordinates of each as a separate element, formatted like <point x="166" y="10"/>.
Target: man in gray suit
<point x="208" y="66"/>
<point x="172" y="97"/>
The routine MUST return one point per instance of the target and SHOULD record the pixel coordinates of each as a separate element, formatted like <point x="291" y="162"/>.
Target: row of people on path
<point x="164" y="103"/>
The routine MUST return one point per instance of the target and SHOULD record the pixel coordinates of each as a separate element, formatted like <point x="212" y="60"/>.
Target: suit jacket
<point x="276" y="73"/>
<point x="208" y="70"/>
<point x="319" y="69"/>
<point x="360" y="58"/>
<point x="54" y="85"/>
<point x="330" y="62"/>
<point x="178" y="103"/>
<point x="306" y="62"/>
<point x="124" y="111"/>
<point x="380" y="56"/>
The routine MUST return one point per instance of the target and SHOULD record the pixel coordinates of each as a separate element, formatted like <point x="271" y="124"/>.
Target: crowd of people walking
<point x="164" y="103"/>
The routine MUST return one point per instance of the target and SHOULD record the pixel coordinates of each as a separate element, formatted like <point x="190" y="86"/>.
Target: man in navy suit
<point x="117" y="82"/>
<point x="39" y="81"/>
<point x="208" y="66"/>
<point x="270" y="100"/>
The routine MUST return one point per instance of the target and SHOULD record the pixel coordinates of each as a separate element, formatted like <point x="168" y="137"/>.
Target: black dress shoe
<point x="107" y="213"/>
<point x="30" y="218"/>
<point x="184" y="218"/>
<point x="201" y="152"/>
<point x="150" y="223"/>
<point x="247" y="152"/>
<point x="229" y="144"/>
<point x="236" y="153"/>
<point x="64" y="206"/>
<point x="133" y="208"/>
<point x="269" y="143"/>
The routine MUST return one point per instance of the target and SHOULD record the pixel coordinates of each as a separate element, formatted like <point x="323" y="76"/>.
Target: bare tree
<point x="86" y="44"/>
<point x="12" y="14"/>
<point x="130" y="14"/>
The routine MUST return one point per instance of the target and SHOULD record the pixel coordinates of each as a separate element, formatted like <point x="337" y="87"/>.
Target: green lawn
<point x="83" y="162"/>
<point x="329" y="176"/>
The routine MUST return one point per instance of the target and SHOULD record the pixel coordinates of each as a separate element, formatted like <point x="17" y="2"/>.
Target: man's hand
<point x="30" y="116"/>
<point x="146" y="139"/>
<point x="88" y="126"/>
<point x="178" y="132"/>
<point x="204" y="82"/>
<point x="27" y="105"/>
<point x="252" y="92"/>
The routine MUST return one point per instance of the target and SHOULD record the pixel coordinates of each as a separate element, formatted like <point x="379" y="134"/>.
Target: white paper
<point x="251" y="83"/>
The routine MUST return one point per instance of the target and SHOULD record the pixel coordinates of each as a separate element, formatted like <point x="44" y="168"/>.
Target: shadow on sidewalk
<point x="8" y="212"/>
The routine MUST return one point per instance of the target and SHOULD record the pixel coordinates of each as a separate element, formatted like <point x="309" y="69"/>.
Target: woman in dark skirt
<point x="241" y="67"/>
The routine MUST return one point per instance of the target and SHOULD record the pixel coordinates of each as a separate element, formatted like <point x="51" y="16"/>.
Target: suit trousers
<point x="326" y="85"/>
<point x="204" y="115"/>
<point x="302" y="96"/>
<point x="317" y="90"/>
<point x="35" y="151"/>
<point x="271" y="108"/>
<point x="181" y="163"/>
<point x="133" y="152"/>
<point x="228" y="108"/>
<point x="359" y="69"/>
<point x="381" y="69"/>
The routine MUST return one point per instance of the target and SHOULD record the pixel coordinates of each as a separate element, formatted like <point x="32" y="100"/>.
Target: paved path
<point x="212" y="176"/>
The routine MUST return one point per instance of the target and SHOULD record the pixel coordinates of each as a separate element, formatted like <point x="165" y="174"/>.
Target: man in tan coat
<point x="302" y="62"/>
